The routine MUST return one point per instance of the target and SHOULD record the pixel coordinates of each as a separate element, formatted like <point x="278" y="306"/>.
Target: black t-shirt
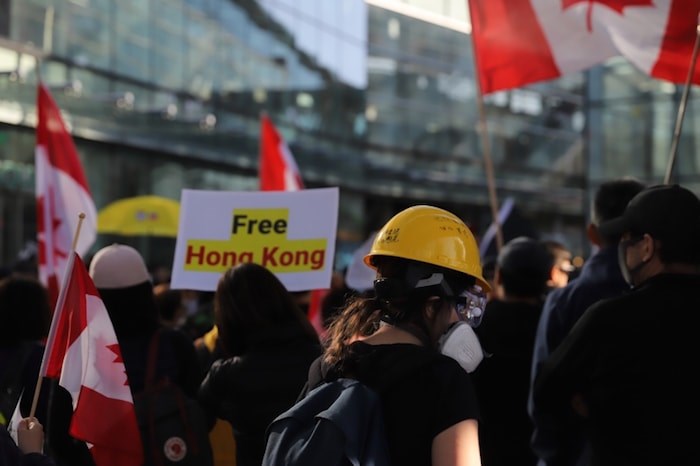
<point x="423" y="393"/>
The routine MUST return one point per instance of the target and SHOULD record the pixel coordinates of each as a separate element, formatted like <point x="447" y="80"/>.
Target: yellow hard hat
<point x="431" y="235"/>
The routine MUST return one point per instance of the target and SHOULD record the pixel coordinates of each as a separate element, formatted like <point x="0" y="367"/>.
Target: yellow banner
<point x="260" y="236"/>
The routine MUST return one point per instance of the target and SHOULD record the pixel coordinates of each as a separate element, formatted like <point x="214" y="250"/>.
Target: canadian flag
<point x="83" y="353"/>
<point x="518" y="42"/>
<point x="278" y="170"/>
<point x="61" y="195"/>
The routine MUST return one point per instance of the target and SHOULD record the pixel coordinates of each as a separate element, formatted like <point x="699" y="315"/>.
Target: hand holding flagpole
<point x="682" y="107"/>
<point x="56" y="314"/>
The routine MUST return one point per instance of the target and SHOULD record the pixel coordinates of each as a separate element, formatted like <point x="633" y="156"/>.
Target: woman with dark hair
<point x="270" y="344"/>
<point x="429" y="292"/>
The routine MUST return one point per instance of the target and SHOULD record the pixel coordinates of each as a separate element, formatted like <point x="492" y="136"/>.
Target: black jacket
<point x="251" y="390"/>
<point x="633" y="359"/>
<point x="502" y="382"/>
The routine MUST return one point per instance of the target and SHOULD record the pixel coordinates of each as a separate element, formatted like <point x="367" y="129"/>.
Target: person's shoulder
<point x="559" y="296"/>
<point x="225" y="368"/>
<point x="604" y="311"/>
<point x="447" y="376"/>
<point x="581" y="291"/>
<point x="317" y="368"/>
<point x="627" y="296"/>
<point x="440" y="367"/>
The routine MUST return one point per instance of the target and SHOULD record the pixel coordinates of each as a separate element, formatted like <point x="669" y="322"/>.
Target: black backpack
<point x="339" y="423"/>
<point x="174" y="429"/>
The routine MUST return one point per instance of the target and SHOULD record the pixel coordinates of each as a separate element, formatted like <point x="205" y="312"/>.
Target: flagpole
<point x="56" y="314"/>
<point x="482" y="129"/>
<point x="682" y="106"/>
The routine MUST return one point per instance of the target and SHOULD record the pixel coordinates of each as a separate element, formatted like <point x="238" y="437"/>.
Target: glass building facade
<point x="377" y="97"/>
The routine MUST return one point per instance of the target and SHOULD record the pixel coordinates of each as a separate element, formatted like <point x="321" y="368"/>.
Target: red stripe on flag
<point x="53" y="288"/>
<point x="72" y="319"/>
<point x="116" y="439"/>
<point x="511" y="49"/>
<point x="316" y="312"/>
<point x="271" y="161"/>
<point x="53" y="135"/>
<point x="278" y="169"/>
<point x="677" y="44"/>
<point x="62" y="194"/>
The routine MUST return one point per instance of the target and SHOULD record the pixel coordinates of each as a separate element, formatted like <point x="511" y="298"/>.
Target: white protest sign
<point x="291" y="233"/>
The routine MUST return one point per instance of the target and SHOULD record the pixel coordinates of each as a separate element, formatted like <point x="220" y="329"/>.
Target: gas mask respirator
<point x="460" y="342"/>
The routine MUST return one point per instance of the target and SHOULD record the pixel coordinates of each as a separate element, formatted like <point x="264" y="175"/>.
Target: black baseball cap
<point x="665" y="212"/>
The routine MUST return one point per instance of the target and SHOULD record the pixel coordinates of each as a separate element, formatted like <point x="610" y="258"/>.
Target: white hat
<point x="118" y="266"/>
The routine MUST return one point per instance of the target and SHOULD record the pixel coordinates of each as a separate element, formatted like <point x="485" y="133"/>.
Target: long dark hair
<point x="250" y="302"/>
<point x="359" y="318"/>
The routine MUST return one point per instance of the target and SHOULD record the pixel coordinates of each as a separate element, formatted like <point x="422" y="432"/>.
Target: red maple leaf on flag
<point x="56" y="223"/>
<point x="46" y="255"/>
<point x="118" y="358"/>
<point x="615" y="5"/>
<point x="117" y="352"/>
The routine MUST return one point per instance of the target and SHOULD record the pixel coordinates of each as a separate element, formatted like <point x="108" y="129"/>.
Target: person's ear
<point x="497" y="277"/>
<point x="593" y="234"/>
<point x="432" y="307"/>
<point x="648" y="247"/>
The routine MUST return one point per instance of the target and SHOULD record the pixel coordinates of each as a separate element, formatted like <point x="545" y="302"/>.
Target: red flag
<point x="315" y="313"/>
<point x="518" y="42"/>
<point x="278" y="170"/>
<point x="83" y="353"/>
<point x="62" y="193"/>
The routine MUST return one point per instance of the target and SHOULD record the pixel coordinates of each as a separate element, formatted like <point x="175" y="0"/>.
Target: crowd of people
<point x="593" y="370"/>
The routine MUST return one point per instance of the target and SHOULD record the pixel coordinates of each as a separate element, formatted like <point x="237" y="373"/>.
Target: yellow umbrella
<point x="140" y="216"/>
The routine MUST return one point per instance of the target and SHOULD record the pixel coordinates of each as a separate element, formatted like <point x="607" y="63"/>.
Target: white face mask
<point x="461" y="344"/>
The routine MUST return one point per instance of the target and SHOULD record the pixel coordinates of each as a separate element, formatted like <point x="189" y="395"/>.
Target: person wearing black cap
<point x="627" y="366"/>
<point x="600" y="278"/>
<point x="507" y="334"/>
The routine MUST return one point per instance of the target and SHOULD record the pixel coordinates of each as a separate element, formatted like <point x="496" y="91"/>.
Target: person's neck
<point x="388" y="334"/>
<point x="656" y="267"/>
<point x="683" y="269"/>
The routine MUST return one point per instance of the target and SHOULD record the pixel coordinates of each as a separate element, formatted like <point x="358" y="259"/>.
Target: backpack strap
<point x="149" y="385"/>
<point x="152" y="361"/>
